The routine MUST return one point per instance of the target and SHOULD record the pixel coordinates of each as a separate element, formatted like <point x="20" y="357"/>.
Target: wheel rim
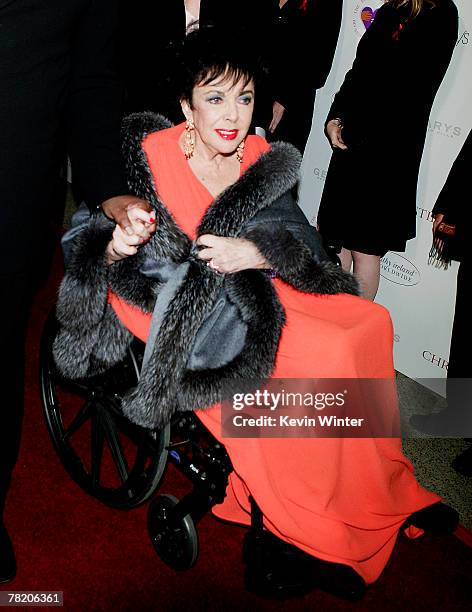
<point x="176" y="545"/>
<point x="115" y="461"/>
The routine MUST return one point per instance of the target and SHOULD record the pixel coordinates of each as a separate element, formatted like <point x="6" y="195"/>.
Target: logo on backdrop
<point x="442" y="128"/>
<point x="320" y="173"/>
<point x="463" y="39"/>
<point x="424" y="214"/>
<point x="399" y="270"/>
<point x="436" y="360"/>
<point x="364" y="15"/>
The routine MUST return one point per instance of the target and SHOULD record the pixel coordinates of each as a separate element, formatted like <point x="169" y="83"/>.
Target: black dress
<point x="369" y="200"/>
<point x="303" y="42"/>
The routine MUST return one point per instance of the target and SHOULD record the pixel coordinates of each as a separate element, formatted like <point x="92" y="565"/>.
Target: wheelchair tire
<point x="176" y="545"/>
<point x="110" y="458"/>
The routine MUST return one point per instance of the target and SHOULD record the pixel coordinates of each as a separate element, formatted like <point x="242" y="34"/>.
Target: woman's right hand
<point x="124" y="244"/>
<point x="333" y="130"/>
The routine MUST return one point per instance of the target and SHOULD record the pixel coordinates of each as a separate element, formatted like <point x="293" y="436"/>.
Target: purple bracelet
<point x="270" y="272"/>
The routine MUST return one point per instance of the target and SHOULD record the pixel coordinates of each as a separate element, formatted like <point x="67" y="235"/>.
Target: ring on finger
<point x="213" y="266"/>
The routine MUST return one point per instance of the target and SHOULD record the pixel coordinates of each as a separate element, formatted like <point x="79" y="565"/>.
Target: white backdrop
<point x="420" y="298"/>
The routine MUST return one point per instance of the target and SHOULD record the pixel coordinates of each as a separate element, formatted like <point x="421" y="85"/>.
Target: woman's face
<point x="222" y="113"/>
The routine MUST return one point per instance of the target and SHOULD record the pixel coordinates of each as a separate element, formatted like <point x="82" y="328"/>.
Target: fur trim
<point x="112" y="343"/>
<point x="82" y="300"/>
<point x="166" y="386"/>
<point x="90" y="338"/>
<point x="294" y="263"/>
<point x="72" y="350"/>
<point x="83" y="291"/>
<point x="274" y="173"/>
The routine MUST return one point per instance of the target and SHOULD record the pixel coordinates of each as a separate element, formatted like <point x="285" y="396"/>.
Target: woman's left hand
<point x="229" y="255"/>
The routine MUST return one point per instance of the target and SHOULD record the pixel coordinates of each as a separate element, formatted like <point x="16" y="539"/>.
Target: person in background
<point x="58" y="93"/>
<point x="377" y="126"/>
<point x="452" y="208"/>
<point x="152" y="33"/>
<point x="303" y="43"/>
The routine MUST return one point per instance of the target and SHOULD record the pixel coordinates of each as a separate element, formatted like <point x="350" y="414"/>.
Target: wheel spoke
<point x="140" y="438"/>
<point x="111" y="434"/>
<point x="82" y="416"/>
<point x="97" y="449"/>
<point x="74" y="386"/>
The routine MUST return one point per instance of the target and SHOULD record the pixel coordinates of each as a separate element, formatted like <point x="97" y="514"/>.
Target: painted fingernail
<point x="152" y="219"/>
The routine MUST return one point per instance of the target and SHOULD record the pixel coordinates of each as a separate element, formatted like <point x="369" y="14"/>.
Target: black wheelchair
<point x="122" y="464"/>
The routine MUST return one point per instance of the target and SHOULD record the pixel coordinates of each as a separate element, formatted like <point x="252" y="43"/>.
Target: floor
<point x="432" y="456"/>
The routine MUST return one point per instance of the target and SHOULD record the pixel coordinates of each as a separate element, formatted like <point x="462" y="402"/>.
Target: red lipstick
<point x="227" y="134"/>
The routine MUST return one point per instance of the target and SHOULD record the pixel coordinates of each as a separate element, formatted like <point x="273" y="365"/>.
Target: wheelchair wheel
<point x="113" y="460"/>
<point x="176" y="543"/>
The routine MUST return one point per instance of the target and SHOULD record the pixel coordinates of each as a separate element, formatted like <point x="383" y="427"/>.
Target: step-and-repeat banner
<point x="420" y="297"/>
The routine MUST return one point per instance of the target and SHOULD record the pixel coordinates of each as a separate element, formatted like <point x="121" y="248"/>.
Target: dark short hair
<point x="210" y="53"/>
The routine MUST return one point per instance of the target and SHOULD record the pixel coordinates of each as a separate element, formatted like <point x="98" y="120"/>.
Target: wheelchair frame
<point x="96" y="414"/>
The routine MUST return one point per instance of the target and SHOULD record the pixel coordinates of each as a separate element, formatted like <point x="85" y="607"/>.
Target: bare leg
<point x="367" y="270"/>
<point x="346" y="259"/>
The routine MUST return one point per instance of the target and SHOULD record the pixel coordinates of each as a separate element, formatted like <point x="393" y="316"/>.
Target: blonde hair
<point x="416" y="5"/>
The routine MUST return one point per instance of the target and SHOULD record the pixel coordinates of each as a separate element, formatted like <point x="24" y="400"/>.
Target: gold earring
<point x="189" y="143"/>
<point x="240" y="152"/>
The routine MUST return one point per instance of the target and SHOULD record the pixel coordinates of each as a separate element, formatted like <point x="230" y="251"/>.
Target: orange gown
<point x="342" y="499"/>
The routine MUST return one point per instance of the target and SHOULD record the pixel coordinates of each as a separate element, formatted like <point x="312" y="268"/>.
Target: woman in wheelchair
<point x="234" y="284"/>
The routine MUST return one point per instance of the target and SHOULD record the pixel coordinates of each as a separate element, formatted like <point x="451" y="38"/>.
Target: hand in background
<point x="119" y="210"/>
<point x="333" y="130"/>
<point x="229" y="255"/>
<point x="277" y="114"/>
<point x="438" y="218"/>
